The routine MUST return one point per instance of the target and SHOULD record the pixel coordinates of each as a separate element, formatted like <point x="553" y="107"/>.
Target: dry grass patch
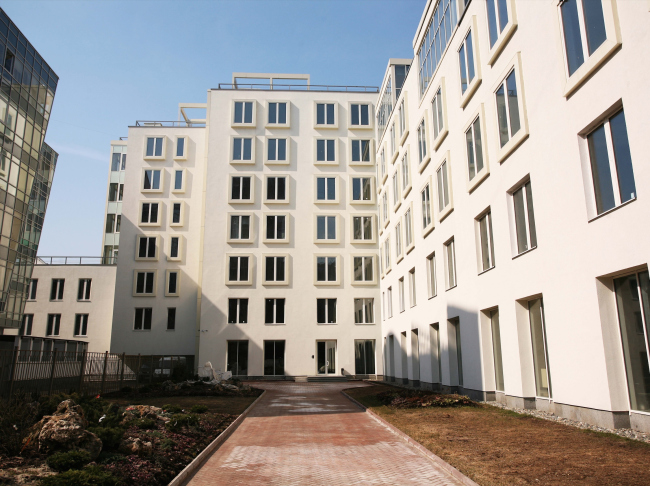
<point x="232" y="405"/>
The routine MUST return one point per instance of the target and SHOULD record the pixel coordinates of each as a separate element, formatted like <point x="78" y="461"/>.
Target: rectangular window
<point x="31" y="290"/>
<point x="326" y="228"/>
<point x="274" y="358"/>
<point x="360" y="150"/>
<point x="326" y="189"/>
<point x="362" y="228"/>
<point x="524" y="218"/>
<point x="113" y="190"/>
<point x="83" y="292"/>
<point x="583" y="24"/>
<point x="474" y="149"/>
<point x="432" y="287"/>
<point x="363" y="267"/>
<point x="274" y="311"/>
<point x="496" y="349"/>
<point x="487" y="248"/>
<point x="277" y="113"/>
<point x="466" y="62"/>
<point x="241" y="188"/>
<point x="142" y="320"/>
<point x="147" y="247"/>
<point x="180" y="147"/>
<point x="508" y="108"/>
<point x="364" y="357"/>
<point x="633" y="306"/>
<point x="177" y="213"/>
<point x="178" y="180"/>
<point x="276" y="149"/>
<point x="427" y="217"/>
<point x="237" y="361"/>
<point x="611" y="164"/>
<point x="540" y="352"/>
<point x="56" y="292"/>
<point x="408" y="229"/>
<point x="144" y="283"/>
<point x="497" y="11"/>
<point x="401" y="116"/>
<point x="326" y="269"/>
<point x="243" y="112"/>
<point x="459" y="354"/>
<point x="451" y="263"/>
<point x="384" y="207"/>
<point x="152" y="179"/>
<point x="276" y="189"/>
<point x="387" y="254"/>
<point x="326" y="150"/>
<point x="81" y="324"/>
<point x="154" y="146"/>
<point x="382" y="160"/>
<point x="172" y="282"/>
<point x="53" y="324"/>
<point x="402" y="300"/>
<point x="237" y="311"/>
<point x="359" y="115"/>
<point x="174" y="247"/>
<point x="240" y="227"/>
<point x="397" y="193"/>
<point x="28" y="322"/>
<point x="393" y="145"/>
<point x="326" y="311"/>
<point x="406" y="173"/>
<point x="149" y="213"/>
<point x="171" y="318"/>
<point x="412" y="294"/>
<point x="363" y="311"/>
<point x="389" y="301"/>
<point x="238" y="269"/>
<point x="110" y="223"/>
<point x="398" y="239"/>
<point x="276" y="227"/>
<point x="326" y="114"/>
<point x="242" y="149"/>
<point x="443" y="187"/>
<point x="275" y="269"/>
<point x="361" y="189"/>
<point x="438" y="119"/>
<point x="422" y="141"/>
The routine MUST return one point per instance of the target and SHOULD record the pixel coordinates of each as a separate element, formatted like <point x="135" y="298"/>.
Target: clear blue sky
<point x="121" y="61"/>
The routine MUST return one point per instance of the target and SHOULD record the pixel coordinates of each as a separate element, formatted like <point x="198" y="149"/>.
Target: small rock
<point x="136" y="446"/>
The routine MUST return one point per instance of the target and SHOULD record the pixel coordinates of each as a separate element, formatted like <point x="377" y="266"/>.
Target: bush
<point x="145" y="423"/>
<point x="89" y="476"/>
<point x="126" y="389"/>
<point x="181" y="420"/>
<point x="172" y="408"/>
<point x="167" y="444"/>
<point x="64" y="461"/>
<point x="180" y="372"/>
<point x="16" y="419"/>
<point x="199" y="409"/>
<point x="110" y="436"/>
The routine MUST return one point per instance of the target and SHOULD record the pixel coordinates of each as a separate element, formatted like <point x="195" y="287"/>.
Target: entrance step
<point x="300" y="379"/>
<point x="326" y="379"/>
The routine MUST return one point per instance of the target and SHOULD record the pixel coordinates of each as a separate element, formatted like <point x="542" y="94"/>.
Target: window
<point x="362" y="190"/>
<point x="144" y="283"/>
<point x="398" y="241"/>
<point x="240" y="228"/>
<point x="455" y="324"/>
<point x="171" y="318"/>
<point x="53" y="324"/>
<point x="384" y="208"/>
<point x="583" y="23"/>
<point x="277" y="150"/>
<point x="508" y="108"/>
<point x="385" y="107"/>
<point x="326" y="311"/>
<point x="83" y="292"/>
<point x="238" y="357"/>
<point x="382" y="165"/>
<point x="474" y="148"/>
<point x="56" y="292"/>
<point x="31" y="290"/>
<point x="177" y="211"/>
<point x="438" y="109"/>
<point x="362" y="230"/>
<point x="444" y="200"/>
<point x="326" y="189"/>
<point x="274" y="358"/>
<point x="179" y="180"/>
<point x="237" y="311"/>
<point x="81" y="324"/>
<point x="274" y="311"/>
<point x="540" y="352"/>
<point x="326" y="151"/>
<point x="427" y="212"/>
<point x="363" y="311"/>
<point x="466" y="63"/>
<point x="278" y="113"/>
<point x="275" y="270"/>
<point x="174" y="248"/>
<point x="412" y="294"/>
<point x="389" y="301"/>
<point x="243" y="113"/>
<point x="363" y="269"/>
<point x="326" y="271"/>
<point x="181" y="148"/>
<point x="113" y="223"/>
<point x="142" y="321"/>
<point x="387" y="254"/>
<point x="397" y="193"/>
<point x="359" y="115"/>
<point x="364" y="357"/>
<point x="408" y="230"/>
<point x="401" y="117"/>
<point x="422" y="143"/>
<point x="485" y="237"/>
<point x="524" y="218"/>
<point x="172" y="287"/>
<point x="326" y="229"/>
<point x="432" y="287"/>
<point x="326" y="115"/>
<point x="276" y="228"/>
<point x="497" y="11"/>
<point x="393" y="144"/>
<point x="633" y="312"/>
<point x="241" y="189"/>
<point x="611" y="164"/>
<point x="238" y="269"/>
<point x="406" y="175"/>
<point x="155" y="147"/>
<point x="152" y="180"/>
<point x="276" y="189"/>
<point x="149" y="213"/>
<point x="360" y="151"/>
<point x="496" y="349"/>
<point x="147" y="248"/>
<point x="115" y="192"/>
<point x="402" y="302"/>
<point x="450" y="252"/>
<point x="242" y="150"/>
<point x="28" y="322"/>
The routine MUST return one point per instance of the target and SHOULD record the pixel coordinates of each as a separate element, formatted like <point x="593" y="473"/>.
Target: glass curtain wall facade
<point x="27" y="164"/>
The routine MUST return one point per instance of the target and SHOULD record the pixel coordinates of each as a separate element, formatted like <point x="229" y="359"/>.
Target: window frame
<point x="60" y="289"/>
<point x="407" y="223"/>
<point x="399" y="242"/>
<point x="138" y="258"/>
<point x="183" y="156"/>
<point x="183" y="181"/>
<point x="160" y="213"/>
<point x="361" y="163"/>
<point x="55" y="330"/>
<point x="278" y="125"/>
<point x="251" y="228"/>
<point x="243" y="124"/>
<point x="242" y="161"/>
<point x="336" y="311"/>
<point x="180" y="249"/>
<point x="359" y="283"/>
<point x="396" y="183"/>
<point x="287" y="273"/>
<point x="287" y="228"/>
<point x="481" y="175"/>
<point x="87" y="289"/>
<point x="287" y="160"/>
<point x="406" y="189"/>
<point x="229" y="188"/>
<point x="505" y="34"/>
<point x="287" y="188"/>
<point x="351" y="179"/>
<point x="432" y="276"/>
<point x="154" y="157"/>
<point x="365" y="321"/>
<point x="450" y="269"/>
<point x="143" y="327"/>
<point x="371" y="117"/>
<point x="337" y="228"/>
<point x="513" y="219"/>
<point x="426" y="157"/>
<point x="135" y="282"/>
<point x="339" y="271"/>
<point x="336" y="160"/>
<point x="473" y="85"/>
<point x="32" y="289"/>
<point x="412" y="288"/>
<point x="444" y="212"/>
<point x="393" y="142"/>
<point x="168" y="273"/>
<point x="373" y="221"/>
<point x="426" y="230"/>
<point x="251" y="269"/>
<point x="403" y="118"/>
<point x="181" y="222"/>
<point x="336" y="188"/>
<point x="275" y="311"/>
<point x="387" y="255"/>
<point x="326" y="126"/>
<point x="162" y="180"/>
<point x="238" y="311"/>
<point x="487" y="213"/>
<point x="442" y="134"/>
<point x="83" y="325"/>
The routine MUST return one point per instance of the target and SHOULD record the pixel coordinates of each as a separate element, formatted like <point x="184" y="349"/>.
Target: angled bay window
<point x="469" y="64"/>
<point x="242" y="189"/>
<point x="439" y="112"/>
<point x="399" y="249"/>
<point x="364" y="311"/>
<point x="450" y="264"/>
<point x="405" y="174"/>
<point x="243" y="114"/>
<point x="326" y="311"/>
<point x="387" y="255"/>
<point x="142" y="319"/>
<point x="326" y="228"/>
<point x="477" y="166"/>
<point x="237" y="311"/>
<point x="361" y="152"/>
<point x="240" y="228"/>
<point x="325" y="115"/>
<point x="394" y="148"/>
<point x="326" y="151"/>
<point x="510" y="109"/>
<point x="382" y="164"/>
<point x="243" y="150"/>
<point x="277" y="151"/>
<point x="526" y="235"/>
<point x="432" y="285"/>
<point x="363" y="230"/>
<point x="147" y="248"/>
<point x="144" y="283"/>
<point x="152" y="180"/>
<point x="277" y="190"/>
<point x="423" y="144"/>
<point x="484" y="228"/>
<point x="397" y="192"/>
<point x="363" y="270"/>
<point x="150" y="213"/>
<point x="360" y="115"/>
<point x="279" y="114"/>
<point x="402" y="120"/>
<point x="154" y="148"/>
<point x="240" y="271"/>
<point x="502" y="22"/>
<point x="326" y="190"/>
<point x="409" y="242"/>
<point x="276" y="228"/>
<point x="274" y="311"/>
<point x="326" y="270"/>
<point x="426" y="203"/>
<point x="384" y="208"/>
<point x="445" y="199"/>
<point x="275" y="270"/>
<point x="362" y="190"/>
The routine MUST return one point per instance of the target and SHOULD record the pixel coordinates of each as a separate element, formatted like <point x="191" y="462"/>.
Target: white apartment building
<point x="514" y="265"/>
<point x="114" y="192"/>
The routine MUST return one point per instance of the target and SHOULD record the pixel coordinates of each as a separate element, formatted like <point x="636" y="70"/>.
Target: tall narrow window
<point x="443" y="187"/>
<point x="326" y="311"/>
<point x="427" y="217"/>
<point x="56" y="292"/>
<point x="274" y="311"/>
<point x="178" y="180"/>
<point x="363" y="311"/>
<point x="274" y="358"/>
<point x="408" y="230"/>
<point x="83" y="292"/>
<point x="393" y="145"/>
<point x="459" y="353"/>
<point x="387" y="254"/>
<point x="237" y="311"/>
<point x="438" y="119"/>
<point x="142" y="320"/>
<point x="172" y="283"/>
<point x="177" y="213"/>
<point x="382" y="162"/>
<point x="384" y="207"/>
<point x="485" y="234"/>
<point x="611" y="163"/>
<point x="238" y="269"/>
<point x="27" y="324"/>
<point x="412" y="293"/>
<point x="450" y="263"/>
<point x="397" y="193"/>
<point x="276" y="189"/>
<point x="31" y="290"/>
<point x="401" y="115"/>
<point x="431" y="276"/>
<point x="237" y="361"/>
<point x="497" y="18"/>
<point x="474" y="148"/>
<point x="466" y="62"/>
<point x="364" y="357"/>
<point x="496" y="349"/>
<point x="524" y="218"/>
<point x="508" y="108"/>
<point x="326" y="189"/>
<point x="81" y="324"/>
<point x="174" y="247"/>
<point x="180" y="147"/>
<point x="406" y="172"/>
<point x="389" y="302"/>
<point x="540" y="353"/>
<point x="422" y="141"/>
<point x="402" y="301"/>
<point x="171" y="318"/>
<point x="398" y="239"/>
<point x="583" y="24"/>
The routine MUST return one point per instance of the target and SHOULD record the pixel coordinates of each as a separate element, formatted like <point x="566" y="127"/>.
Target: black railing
<point x="76" y="260"/>
<point x="157" y="124"/>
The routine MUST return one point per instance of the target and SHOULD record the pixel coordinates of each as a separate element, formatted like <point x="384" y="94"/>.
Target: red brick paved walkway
<point x="310" y="434"/>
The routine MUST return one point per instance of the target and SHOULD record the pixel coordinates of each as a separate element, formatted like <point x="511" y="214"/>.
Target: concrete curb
<point x="448" y="468"/>
<point x="203" y="455"/>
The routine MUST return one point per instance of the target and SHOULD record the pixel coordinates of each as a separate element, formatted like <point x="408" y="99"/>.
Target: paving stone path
<point x="310" y="434"/>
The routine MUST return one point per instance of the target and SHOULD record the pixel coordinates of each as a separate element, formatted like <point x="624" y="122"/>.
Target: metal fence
<point x="51" y="372"/>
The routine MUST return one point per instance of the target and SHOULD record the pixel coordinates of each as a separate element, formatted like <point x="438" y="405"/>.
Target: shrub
<point x="126" y="389"/>
<point x="110" y="436"/>
<point x="199" y="409"/>
<point x="145" y="389"/>
<point x="155" y="433"/>
<point x="16" y="418"/>
<point x="180" y="372"/>
<point x="181" y="420"/>
<point x="167" y="444"/>
<point x="89" y="476"/>
<point x="64" y="461"/>
<point x="172" y="408"/>
<point x="106" y="457"/>
<point x="145" y="423"/>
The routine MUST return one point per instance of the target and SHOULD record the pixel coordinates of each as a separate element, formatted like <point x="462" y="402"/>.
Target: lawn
<point x="495" y="447"/>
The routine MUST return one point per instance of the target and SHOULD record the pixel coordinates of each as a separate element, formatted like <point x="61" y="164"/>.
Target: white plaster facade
<point x="114" y="194"/>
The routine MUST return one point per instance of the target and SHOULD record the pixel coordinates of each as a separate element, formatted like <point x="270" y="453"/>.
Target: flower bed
<point x="419" y="399"/>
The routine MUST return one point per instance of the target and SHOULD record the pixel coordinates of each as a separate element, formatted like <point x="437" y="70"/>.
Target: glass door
<point x="326" y="354"/>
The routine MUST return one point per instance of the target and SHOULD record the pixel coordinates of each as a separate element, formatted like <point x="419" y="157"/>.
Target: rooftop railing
<point x="76" y="260"/>
<point x="182" y="124"/>
<point x="299" y="87"/>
